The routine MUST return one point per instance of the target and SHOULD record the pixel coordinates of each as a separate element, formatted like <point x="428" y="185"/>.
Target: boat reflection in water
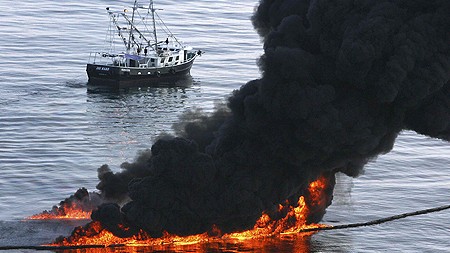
<point x="181" y="82"/>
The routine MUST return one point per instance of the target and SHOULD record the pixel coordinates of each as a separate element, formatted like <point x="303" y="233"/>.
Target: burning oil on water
<point x="286" y="219"/>
<point x="77" y="207"/>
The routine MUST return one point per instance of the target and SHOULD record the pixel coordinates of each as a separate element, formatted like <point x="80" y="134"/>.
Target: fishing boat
<point x="143" y="58"/>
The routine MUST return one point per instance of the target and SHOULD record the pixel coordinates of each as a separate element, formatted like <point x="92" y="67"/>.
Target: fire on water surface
<point x="293" y="219"/>
<point x="69" y="214"/>
<point x="77" y="207"/>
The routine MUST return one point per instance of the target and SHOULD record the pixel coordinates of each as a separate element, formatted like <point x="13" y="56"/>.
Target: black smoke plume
<point x="340" y="80"/>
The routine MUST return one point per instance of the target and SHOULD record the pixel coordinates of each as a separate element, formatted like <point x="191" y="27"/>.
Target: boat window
<point x="162" y="60"/>
<point x="170" y="59"/>
<point x="152" y="60"/>
<point x="178" y="57"/>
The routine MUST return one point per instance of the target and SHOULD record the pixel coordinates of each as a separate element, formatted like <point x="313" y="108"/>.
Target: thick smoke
<point x="340" y="80"/>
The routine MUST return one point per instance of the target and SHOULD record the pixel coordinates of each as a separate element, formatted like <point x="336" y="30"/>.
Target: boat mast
<point x="154" y="23"/>
<point x="131" y="26"/>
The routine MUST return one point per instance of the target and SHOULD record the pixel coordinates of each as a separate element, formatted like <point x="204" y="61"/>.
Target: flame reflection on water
<point x="284" y="243"/>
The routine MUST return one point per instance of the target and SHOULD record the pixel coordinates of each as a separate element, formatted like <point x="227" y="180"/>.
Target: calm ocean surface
<point x="54" y="133"/>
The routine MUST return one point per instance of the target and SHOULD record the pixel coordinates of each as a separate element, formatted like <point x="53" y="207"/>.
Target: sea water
<point x="55" y="132"/>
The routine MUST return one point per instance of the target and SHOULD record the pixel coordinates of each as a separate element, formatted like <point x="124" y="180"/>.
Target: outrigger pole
<point x="131" y="28"/>
<point x="113" y="17"/>
<point x="129" y="43"/>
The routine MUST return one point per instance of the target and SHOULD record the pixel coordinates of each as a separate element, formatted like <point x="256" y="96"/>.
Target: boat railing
<point x="93" y="57"/>
<point x="98" y="58"/>
<point x="106" y="59"/>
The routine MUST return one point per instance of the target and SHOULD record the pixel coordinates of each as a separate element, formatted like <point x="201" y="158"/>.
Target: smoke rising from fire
<point x="340" y="80"/>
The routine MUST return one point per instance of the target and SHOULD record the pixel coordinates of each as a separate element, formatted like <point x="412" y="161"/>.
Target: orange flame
<point x="295" y="219"/>
<point x="95" y="234"/>
<point x="72" y="212"/>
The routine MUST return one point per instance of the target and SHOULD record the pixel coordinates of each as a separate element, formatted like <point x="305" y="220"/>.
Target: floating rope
<point x="344" y="226"/>
<point x="378" y="221"/>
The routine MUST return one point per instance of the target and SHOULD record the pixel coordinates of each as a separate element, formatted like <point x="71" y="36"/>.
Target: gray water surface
<point x="54" y="133"/>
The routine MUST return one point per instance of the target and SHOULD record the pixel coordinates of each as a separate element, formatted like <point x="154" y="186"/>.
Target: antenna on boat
<point x="154" y="24"/>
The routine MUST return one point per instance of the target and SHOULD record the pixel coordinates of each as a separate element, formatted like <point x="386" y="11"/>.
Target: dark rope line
<point x="378" y="221"/>
<point x="344" y="226"/>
